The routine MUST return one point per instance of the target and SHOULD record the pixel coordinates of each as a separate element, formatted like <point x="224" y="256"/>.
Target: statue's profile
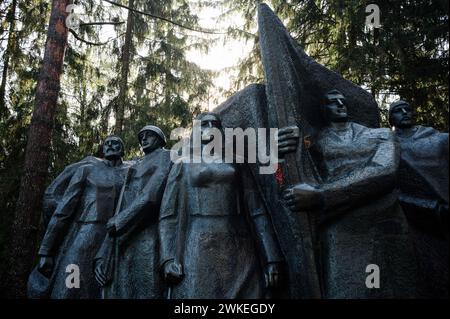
<point x="423" y="182"/>
<point x="132" y="233"/>
<point x="216" y="236"/>
<point x="78" y="225"/>
<point x="359" y="220"/>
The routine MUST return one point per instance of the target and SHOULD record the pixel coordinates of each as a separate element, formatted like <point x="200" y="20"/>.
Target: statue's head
<point x="209" y="121"/>
<point x="334" y="109"/>
<point x="401" y="114"/>
<point x="150" y="138"/>
<point x="113" y="147"/>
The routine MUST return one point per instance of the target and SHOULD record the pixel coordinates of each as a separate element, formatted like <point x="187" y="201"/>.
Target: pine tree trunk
<point x="23" y="239"/>
<point x="123" y="86"/>
<point x="11" y="18"/>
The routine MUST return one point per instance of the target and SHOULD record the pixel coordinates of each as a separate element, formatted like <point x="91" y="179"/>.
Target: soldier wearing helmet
<point x="133" y="230"/>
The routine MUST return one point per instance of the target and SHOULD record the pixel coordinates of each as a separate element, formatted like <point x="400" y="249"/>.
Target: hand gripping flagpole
<point x="284" y="93"/>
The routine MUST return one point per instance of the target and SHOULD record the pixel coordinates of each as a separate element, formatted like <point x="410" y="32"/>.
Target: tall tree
<point x="24" y="229"/>
<point x="159" y="80"/>
<point x="11" y="19"/>
<point x="125" y="68"/>
<point x="159" y="90"/>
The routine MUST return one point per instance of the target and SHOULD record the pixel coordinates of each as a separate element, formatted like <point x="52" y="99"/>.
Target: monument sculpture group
<point x="353" y="210"/>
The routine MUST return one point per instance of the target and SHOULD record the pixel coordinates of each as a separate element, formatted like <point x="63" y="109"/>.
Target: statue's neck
<point x="339" y="126"/>
<point x="149" y="151"/>
<point x="405" y="131"/>
<point x="213" y="151"/>
<point x="113" y="162"/>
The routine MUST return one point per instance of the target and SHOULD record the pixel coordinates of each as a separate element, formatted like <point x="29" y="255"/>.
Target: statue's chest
<point x="338" y="148"/>
<point x="343" y="154"/>
<point x="108" y="178"/>
<point x="142" y="172"/>
<point x="215" y="189"/>
<point x="209" y="175"/>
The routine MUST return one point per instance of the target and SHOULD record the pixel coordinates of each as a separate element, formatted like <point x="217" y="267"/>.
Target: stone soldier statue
<point x="78" y="225"/>
<point x="423" y="182"/>
<point x="359" y="220"/>
<point x="134" y="228"/>
<point x="216" y="237"/>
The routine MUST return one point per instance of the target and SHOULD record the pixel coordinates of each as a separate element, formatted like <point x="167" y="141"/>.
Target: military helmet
<point x="155" y="130"/>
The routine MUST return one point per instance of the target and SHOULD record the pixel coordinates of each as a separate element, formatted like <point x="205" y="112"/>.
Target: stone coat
<point x="362" y="222"/>
<point x="214" y="223"/>
<point x="423" y="182"/>
<point x="78" y="226"/>
<point x="135" y="273"/>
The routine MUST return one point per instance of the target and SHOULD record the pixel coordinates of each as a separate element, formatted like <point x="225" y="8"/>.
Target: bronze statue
<point x="133" y="230"/>
<point x="78" y="225"/>
<point x="216" y="235"/>
<point x="359" y="220"/>
<point x="423" y="182"/>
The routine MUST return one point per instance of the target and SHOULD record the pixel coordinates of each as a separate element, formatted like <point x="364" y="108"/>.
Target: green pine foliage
<point x="164" y="88"/>
<point x="406" y="58"/>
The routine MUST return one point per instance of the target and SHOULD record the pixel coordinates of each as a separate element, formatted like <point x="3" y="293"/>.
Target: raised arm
<point x="376" y="178"/>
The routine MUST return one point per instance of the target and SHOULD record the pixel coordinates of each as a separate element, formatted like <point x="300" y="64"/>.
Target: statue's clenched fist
<point x="303" y="197"/>
<point x="173" y="272"/>
<point x="46" y="264"/>
<point x="288" y="138"/>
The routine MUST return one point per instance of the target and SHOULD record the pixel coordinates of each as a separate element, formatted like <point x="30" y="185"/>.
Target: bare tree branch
<point x="102" y="23"/>
<point x="77" y="36"/>
<point x="165" y="19"/>
<point x="85" y="41"/>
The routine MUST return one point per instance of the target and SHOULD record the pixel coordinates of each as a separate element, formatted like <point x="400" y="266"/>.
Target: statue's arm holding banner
<point x="376" y="178"/>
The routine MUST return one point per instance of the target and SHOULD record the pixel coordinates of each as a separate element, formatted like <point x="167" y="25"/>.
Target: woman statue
<point x="216" y="236"/>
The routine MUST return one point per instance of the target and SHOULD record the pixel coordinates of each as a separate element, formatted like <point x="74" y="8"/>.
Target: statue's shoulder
<point x="370" y="132"/>
<point x="166" y="154"/>
<point x="85" y="161"/>
<point x="177" y="157"/>
<point x="131" y="162"/>
<point x="70" y="169"/>
<point x="427" y="131"/>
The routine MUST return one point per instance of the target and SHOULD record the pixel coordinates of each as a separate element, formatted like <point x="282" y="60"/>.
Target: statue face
<point x="112" y="148"/>
<point x="335" y="109"/>
<point x="149" y="141"/>
<point x="402" y="116"/>
<point x="207" y="123"/>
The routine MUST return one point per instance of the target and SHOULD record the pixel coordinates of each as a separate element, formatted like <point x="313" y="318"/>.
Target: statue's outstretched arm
<point x="374" y="179"/>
